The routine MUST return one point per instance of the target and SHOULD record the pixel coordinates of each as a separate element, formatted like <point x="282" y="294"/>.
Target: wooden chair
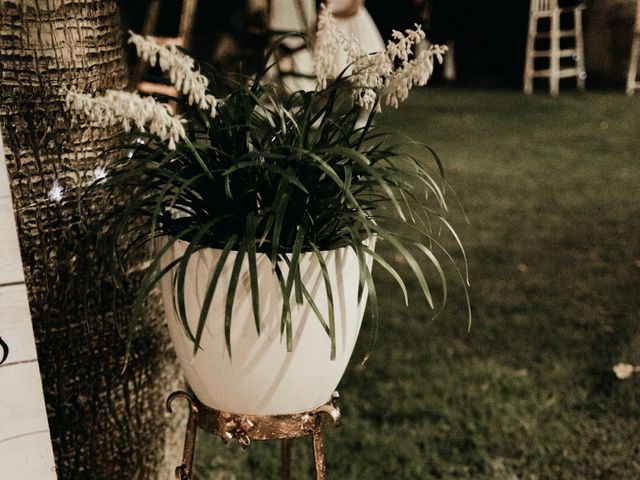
<point x="633" y="83"/>
<point x="550" y="11"/>
<point x="187" y="17"/>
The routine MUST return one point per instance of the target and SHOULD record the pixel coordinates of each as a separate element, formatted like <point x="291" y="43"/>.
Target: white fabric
<point x="284" y="15"/>
<point x="361" y="26"/>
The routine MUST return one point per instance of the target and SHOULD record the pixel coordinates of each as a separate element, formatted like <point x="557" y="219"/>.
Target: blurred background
<point x="489" y="37"/>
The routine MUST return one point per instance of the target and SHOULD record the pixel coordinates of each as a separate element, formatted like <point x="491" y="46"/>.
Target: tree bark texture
<point x="105" y="424"/>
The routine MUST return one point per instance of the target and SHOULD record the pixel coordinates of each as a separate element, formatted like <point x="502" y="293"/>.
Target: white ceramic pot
<point x="261" y="377"/>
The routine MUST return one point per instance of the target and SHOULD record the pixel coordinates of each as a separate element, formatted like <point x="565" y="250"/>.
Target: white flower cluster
<point x="129" y="110"/>
<point x="373" y="75"/>
<point x="401" y="46"/>
<point x="368" y="73"/>
<point x="180" y="68"/>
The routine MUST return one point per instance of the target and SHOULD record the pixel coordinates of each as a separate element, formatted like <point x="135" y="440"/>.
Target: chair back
<point x="541" y="6"/>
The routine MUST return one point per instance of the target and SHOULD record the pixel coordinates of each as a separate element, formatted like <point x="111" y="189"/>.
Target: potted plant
<point x="262" y="209"/>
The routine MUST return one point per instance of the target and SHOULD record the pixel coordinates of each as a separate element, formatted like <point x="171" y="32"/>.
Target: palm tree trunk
<point x="105" y="424"/>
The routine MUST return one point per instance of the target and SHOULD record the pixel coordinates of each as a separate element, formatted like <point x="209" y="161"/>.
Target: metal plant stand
<point x="245" y="428"/>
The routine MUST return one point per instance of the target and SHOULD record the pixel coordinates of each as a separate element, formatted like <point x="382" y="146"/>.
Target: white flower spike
<point x="328" y="44"/>
<point x="129" y="110"/>
<point x="180" y="68"/>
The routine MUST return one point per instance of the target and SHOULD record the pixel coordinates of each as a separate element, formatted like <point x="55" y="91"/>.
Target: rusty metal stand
<point x="245" y="428"/>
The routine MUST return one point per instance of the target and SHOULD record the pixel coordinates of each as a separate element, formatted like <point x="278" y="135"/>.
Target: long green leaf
<point x="285" y="317"/>
<point x="329" y="290"/>
<point x="367" y="278"/>
<point x="213" y="283"/>
<point x="291" y="275"/>
<point x="283" y="172"/>
<point x="192" y="247"/>
<point x="280" y="206"/>
<point x="411" y="261"/>
<point x="231" y="293"/>
<point x="365" y="165"/>
<point x="250" y="239"/>
<point x="396" y="276"/>
<point x="436" y="264"/>
<point x="311" y="302"/>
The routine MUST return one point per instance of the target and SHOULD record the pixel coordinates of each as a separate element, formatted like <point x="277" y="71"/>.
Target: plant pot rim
<point x="369" y="241"/>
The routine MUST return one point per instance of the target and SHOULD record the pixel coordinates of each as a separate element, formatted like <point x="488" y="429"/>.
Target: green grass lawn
<point x="552" y="191"/>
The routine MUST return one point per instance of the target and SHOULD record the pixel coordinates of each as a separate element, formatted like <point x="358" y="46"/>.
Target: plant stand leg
<point x="318" y="453"/>
<point x="183" y="471"/>
<point x="285" y="459"/>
